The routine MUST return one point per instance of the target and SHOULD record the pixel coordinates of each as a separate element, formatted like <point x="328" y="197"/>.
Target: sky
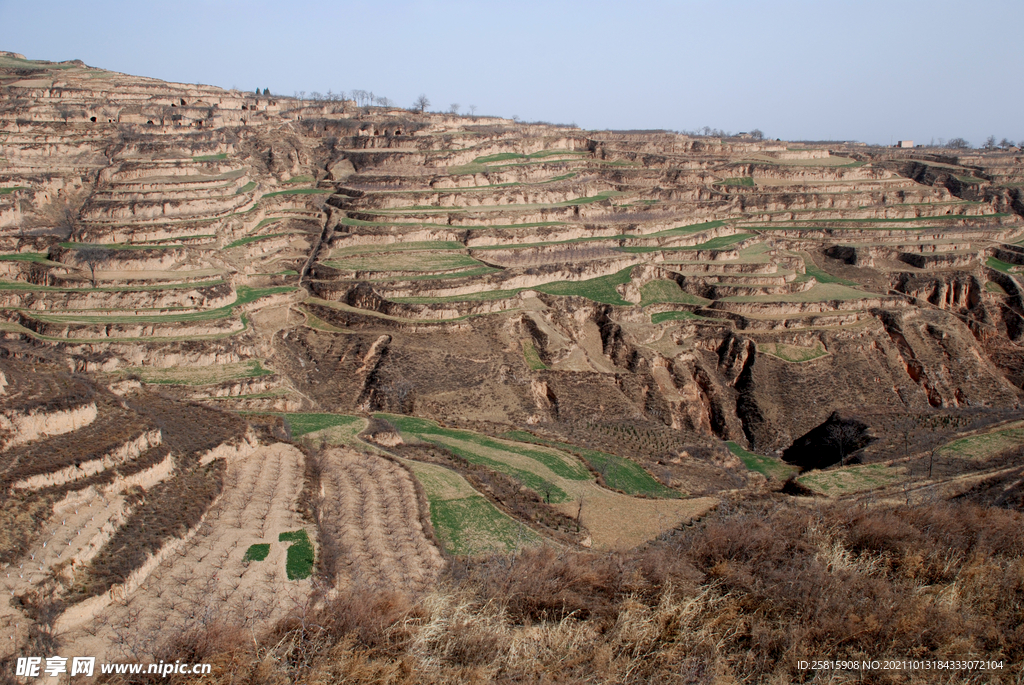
<point x="874" y="71"/>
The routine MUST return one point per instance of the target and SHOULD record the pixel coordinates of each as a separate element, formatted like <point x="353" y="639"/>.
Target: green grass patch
<point x="252" y="239"/>
<point x="971" y="179"/>
<point x="8" y="191"/>
<point x="532" y="356"/>
<point x="517" y="460"/>
<point x="300" y="179"/>
<point x="25" y="257"/>
<point x="257" y="552"/>
<point x="268" y="221"/>
<point x="210" y="158"/>
<point x="1000" y="265"/>
<point x="849" y="479"/>
<point x="823" y="276"/>
<point x="768" y="467"/>
<point x="465" y="522"/>
<point x="606" y="195"/>
<point x="246" y="188"/>
<point x="661" y="317"/>
<point x="309" y="423"/>
<point x="618" y="473"/>
<point x="744" y="181"/>
<point x="299" y="564"/>
<point x="472" y="525"/>
<point x="655" y="292"/>
<point x="601" y="289"/>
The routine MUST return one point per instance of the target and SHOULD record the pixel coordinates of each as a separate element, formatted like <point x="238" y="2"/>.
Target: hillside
<point x="333" y="347"/>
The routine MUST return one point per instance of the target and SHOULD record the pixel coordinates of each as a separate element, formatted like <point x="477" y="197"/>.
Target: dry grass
<point x="740" y="598"/>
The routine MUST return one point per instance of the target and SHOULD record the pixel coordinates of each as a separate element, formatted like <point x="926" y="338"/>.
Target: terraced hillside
<point x="365" y="340"/>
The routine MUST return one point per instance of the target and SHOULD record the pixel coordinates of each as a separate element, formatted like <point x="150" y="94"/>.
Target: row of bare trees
<point x="367" y="98"/>
<point x="964" y="144"/>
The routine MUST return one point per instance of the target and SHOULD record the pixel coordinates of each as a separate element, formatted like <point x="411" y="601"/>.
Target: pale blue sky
<point x="867" y="70"/>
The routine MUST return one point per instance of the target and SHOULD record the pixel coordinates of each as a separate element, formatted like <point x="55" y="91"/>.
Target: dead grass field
<point x="984" y="445"/>
<point x="850" y="479"/>
<point x="793" y="353"/>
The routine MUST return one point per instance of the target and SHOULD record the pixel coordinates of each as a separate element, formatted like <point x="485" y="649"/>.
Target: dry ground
<point x="206" y="578"/>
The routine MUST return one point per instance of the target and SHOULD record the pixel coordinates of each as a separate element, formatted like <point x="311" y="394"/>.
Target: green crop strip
<point x="25" y="257"/>
<point x="822" y="276"/>
<point x="618" y="473"/>
<point x="257" y="552"/>
<point x="661" y="317"/>
<point x="252" y="239"/>
<point x="601" y="289"/>
<point x="299" y="564"/>
<point x="1000" y="265"/>
<point x="771" y="468"/>
<point x="532" y="357"/>
<point x="301" y="424"/>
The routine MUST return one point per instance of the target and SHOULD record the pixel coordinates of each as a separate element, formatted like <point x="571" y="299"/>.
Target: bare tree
<point x="1005" y="144"/>
<point x="905" y="427"/>
<point x="453" y="108"/>
<point x="843" y="436"/>
<point x="421" y="103"/>
<point x="757" y="134"/>
<point x="65" y="112"/>
<point x="472" y="110"/>
<point x="92" y="257"/>
<point x="990" y="143"/>
<point x="958" y="144"/>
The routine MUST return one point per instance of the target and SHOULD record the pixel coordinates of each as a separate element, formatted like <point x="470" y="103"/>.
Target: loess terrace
<point x="238" y="328"/>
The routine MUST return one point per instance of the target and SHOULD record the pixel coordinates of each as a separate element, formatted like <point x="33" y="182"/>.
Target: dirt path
<point x="207" y="579"/>
<point x="371" y="510"/>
